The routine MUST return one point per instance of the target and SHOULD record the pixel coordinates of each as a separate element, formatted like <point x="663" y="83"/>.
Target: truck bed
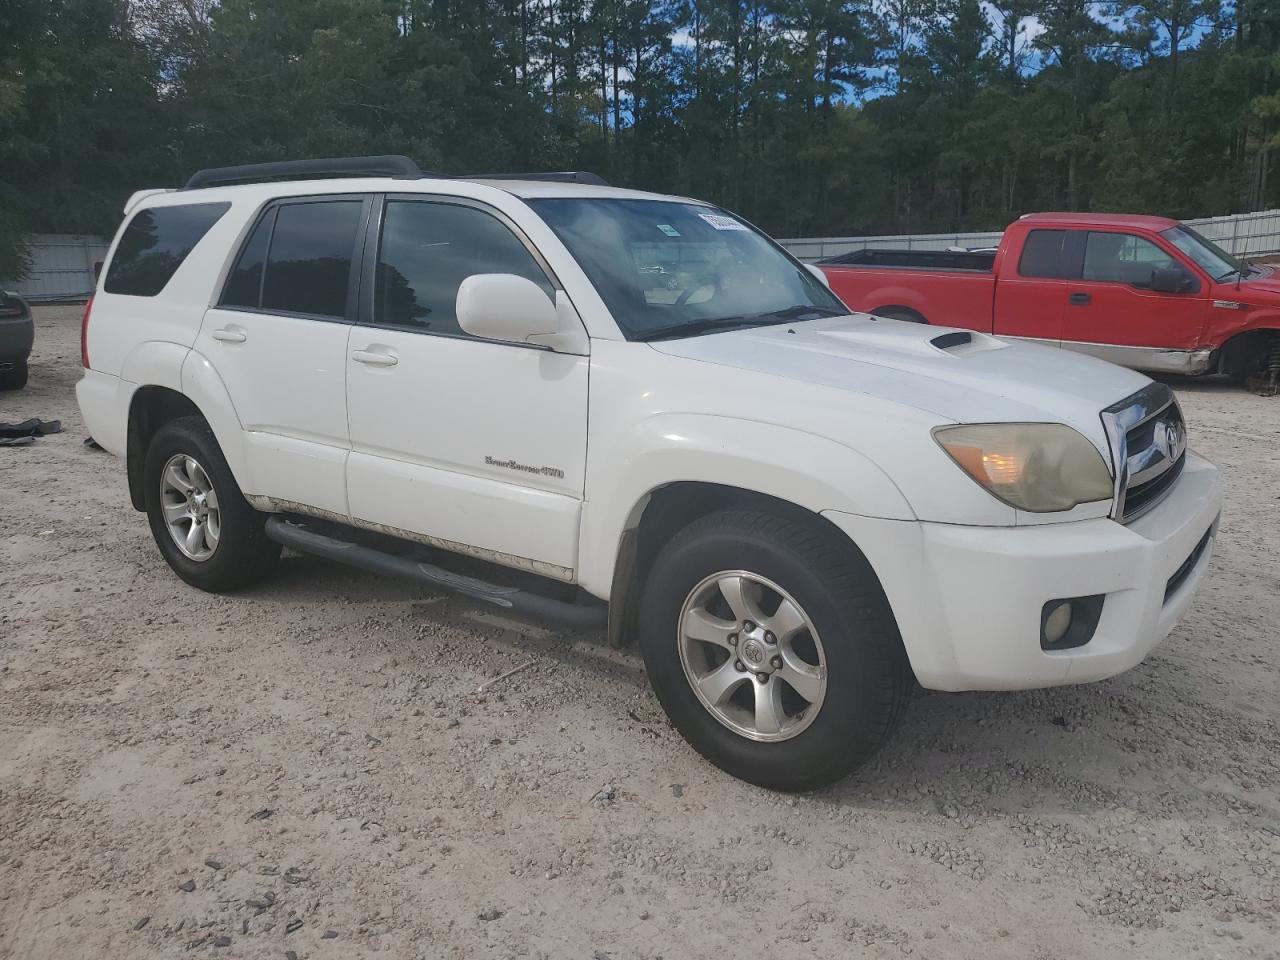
<point x="932" y="260"/>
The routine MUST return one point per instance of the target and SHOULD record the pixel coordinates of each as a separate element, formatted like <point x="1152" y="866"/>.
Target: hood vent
<point x="957" y="338"/>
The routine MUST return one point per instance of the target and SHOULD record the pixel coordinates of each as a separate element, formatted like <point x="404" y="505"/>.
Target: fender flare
<point x="202" y="385"/>
<point x="805" y="469"/>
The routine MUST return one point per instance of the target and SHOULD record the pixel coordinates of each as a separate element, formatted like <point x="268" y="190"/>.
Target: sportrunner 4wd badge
<point x="555" y="472"/>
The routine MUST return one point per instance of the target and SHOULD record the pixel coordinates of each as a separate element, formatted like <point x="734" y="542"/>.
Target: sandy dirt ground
<point x="306" y="769"/>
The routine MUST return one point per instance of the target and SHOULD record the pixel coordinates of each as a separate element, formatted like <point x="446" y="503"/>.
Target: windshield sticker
<point x="669" y="230"/>
<point x="722" y="223"/>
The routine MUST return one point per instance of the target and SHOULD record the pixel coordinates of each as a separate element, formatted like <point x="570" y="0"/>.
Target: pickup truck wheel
<point x="773" y="650"/>
<point x="15" y="378"/>
<point x="201" y="522"/>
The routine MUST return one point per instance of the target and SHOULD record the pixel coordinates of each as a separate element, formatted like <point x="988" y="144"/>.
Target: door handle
<point x="1079" y="299"/>
<point x="229" y="335"/>
<point x="375" y="358"/>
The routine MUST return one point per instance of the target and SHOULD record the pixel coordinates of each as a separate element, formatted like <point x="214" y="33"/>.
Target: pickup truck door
<point x="1112" y="303"/>
<point x="278" y="340"/>
<point x="476" y="445"/>
<point x="1032" y="287"/>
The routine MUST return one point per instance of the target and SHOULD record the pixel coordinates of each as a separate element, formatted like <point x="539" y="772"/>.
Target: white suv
<point x="639" y="401"/>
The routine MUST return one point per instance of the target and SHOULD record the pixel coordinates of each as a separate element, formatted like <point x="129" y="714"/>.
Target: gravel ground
<point x="308" y="769"/>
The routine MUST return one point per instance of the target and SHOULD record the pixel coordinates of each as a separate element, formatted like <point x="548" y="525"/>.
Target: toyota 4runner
<point x="642" y="405"/>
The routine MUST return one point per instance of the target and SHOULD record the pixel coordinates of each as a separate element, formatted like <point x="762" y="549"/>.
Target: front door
<point x="478" y="444"/>
<point x="1112" y="303"/>
<point x="278" y="340"/>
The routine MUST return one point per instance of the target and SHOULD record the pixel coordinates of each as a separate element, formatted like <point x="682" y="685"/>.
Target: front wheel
<point x="771" y="646"/>
<point x="204" y="527"/>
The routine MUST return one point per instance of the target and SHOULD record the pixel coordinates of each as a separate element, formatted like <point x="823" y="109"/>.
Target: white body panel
<point x="472" y="441"/>
<point x="286" y="377"/>
<point x="543" y="458"/>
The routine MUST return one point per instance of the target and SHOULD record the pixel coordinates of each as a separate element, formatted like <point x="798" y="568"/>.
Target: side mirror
<point x="502" y="306"/>
<point x="1171" y="280"/>
<point x="817" y="272"/>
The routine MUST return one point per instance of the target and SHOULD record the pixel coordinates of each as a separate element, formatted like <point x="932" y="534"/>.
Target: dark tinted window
<point x="428" y="249"/>
<point x="309" y="266"/>
<point x="244" y="286"/>
<point x="1042" y="254"/>
<point x="155" y="243"/>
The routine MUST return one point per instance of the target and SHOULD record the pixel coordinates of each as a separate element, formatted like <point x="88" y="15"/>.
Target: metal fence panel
<point x="61" y="267"/>
<point x="1243" y="235"/>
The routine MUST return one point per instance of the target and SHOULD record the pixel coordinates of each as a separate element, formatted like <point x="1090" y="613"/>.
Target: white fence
<point x="1242" y="234"/>
<point x="62" y="264"/>
<point x="61" y="267"/>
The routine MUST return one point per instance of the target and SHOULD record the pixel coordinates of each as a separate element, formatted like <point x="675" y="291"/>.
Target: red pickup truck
<point x="1145" y="292"/>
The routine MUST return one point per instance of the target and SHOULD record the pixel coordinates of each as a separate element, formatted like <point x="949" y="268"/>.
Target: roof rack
<point x="562" y="176"/>
<point x="386" y="166"/>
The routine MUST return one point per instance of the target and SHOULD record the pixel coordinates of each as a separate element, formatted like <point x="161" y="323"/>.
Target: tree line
<point x="810" y="117"/>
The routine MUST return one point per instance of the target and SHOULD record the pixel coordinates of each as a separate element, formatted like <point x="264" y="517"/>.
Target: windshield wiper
<point x="691" y="328"/>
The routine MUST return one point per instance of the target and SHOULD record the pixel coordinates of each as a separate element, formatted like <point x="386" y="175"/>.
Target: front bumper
<point x="968" y="599"/>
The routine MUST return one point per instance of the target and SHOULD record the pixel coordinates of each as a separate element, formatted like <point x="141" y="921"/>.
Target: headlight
<point x="1039" y="467"/>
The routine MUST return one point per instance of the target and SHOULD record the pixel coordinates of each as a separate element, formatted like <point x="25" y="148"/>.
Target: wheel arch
<point x="664" y="512"/>
<point x="197" y="392"/>
<point x="1235" y="353"/>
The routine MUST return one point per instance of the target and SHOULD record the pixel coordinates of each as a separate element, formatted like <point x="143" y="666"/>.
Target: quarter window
<point x="428" y="249"/>
<point x="155" y="243"/>
<point x="1123" y="258"/>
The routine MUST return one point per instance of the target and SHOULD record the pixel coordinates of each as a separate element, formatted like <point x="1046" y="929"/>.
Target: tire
<point x="14" y="378"/>
<point x="899" y="313"/>
<point x="868" y="679"/>
<point x="240" y="553"/>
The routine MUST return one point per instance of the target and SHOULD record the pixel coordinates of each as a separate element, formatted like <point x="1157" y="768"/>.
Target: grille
<point x="1148" y="447"/>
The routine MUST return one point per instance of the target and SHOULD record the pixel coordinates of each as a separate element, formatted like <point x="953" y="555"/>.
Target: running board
<point x="510" y="599"/>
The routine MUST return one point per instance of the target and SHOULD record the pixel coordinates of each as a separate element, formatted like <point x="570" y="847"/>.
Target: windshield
<point x="1213" y="259"/>
<point x="665" y="268"/>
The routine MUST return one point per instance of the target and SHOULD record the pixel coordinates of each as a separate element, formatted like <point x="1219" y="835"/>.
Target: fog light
<point x="1057" y="622"/>
<point x="1069" y="622"/>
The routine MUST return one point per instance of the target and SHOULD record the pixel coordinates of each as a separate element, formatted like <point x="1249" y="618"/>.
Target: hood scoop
<point x="962" y="342"/>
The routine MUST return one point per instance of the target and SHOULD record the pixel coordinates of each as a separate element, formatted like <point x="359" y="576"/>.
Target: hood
<point x="957" y="375"/>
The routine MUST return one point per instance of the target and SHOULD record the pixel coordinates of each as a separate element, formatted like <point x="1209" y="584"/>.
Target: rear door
<point x="278" y="340"/>
<point x="478" y="444"/>
<point x="1032" y="293"/>
<point x="1112" y="301"/>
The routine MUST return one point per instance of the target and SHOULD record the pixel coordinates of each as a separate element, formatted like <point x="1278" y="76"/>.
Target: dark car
<point x="17" y="332"/>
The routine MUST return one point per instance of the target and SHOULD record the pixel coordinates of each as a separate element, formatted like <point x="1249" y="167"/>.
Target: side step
<point x="511" y="599"/>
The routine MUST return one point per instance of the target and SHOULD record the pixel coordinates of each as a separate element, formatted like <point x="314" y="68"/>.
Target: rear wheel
<point x="206" y="530"/>
<point x="15" y="378"/>
<point x="772" y="648"/>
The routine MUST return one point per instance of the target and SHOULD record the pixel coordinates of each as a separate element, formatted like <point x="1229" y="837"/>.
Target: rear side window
<point x="155" y="243"/>
<point x="1042" y="254"/>
<point x="298" y="260"/>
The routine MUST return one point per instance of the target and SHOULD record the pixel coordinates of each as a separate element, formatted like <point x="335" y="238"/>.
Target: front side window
<point x="155" y="243"/>
<point x="666" y="268"/>
<point x="1123" y="258"/>
<point x="428" y="249"/>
